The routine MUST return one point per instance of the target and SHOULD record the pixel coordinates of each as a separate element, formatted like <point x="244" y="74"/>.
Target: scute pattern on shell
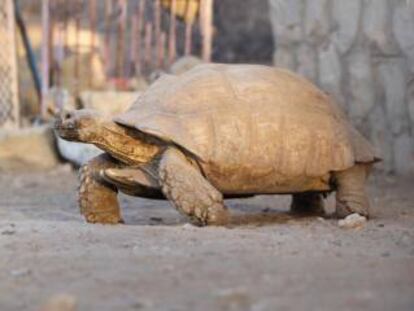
<point x="246" y="122"/>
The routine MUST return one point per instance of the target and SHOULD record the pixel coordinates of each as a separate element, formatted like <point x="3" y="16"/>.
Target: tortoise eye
<point x="66" y="115"/>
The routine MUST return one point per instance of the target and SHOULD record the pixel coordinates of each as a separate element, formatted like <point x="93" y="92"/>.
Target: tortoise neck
<point x="124" y="144"/>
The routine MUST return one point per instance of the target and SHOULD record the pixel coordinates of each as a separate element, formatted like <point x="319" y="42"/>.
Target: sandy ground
<point x="267" y="260"/>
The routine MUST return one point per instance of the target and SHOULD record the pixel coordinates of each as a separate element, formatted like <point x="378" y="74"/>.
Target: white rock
<point x="77" y="153"/>
<point x="20" y="272"/>
<point x="352" y="221"/>
<point x="187" y="226"/>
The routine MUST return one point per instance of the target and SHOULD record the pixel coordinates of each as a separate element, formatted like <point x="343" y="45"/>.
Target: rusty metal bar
<point x="161" y="51"/>
<point x="93" y="30"/>
<point x="148" y="46"/>
<point x="140" y="25"/>
<point x="65" y="24"/>
<point x="120" y="66"/>
<point x="78" y="12"/>
<point x="107" y="37"/>
<point x="51" y="34"/>
<point x="172" y="48"/>
<point x="157" y="22"/>
<point x="45" y="56"/>
<point x="133" y="46"/>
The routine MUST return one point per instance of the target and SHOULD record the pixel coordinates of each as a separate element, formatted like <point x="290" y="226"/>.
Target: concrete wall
<point x="361" y="51"/>
<point x="243" y="33"/>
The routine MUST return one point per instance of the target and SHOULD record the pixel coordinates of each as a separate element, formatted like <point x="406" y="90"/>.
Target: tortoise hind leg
<point x="184" y="185"/>
<point x="351" y="194"/>
<point x="98" y="200"/>
<point x="307" y="203"/>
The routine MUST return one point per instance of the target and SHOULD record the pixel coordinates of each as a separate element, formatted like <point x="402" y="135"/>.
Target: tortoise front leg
<point x="351" y="195"/>
<point x="98" y="200"/>
<point x="184" y="185"/>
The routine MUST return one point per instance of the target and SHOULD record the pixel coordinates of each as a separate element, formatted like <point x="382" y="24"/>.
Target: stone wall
<point x="362" y="52"/>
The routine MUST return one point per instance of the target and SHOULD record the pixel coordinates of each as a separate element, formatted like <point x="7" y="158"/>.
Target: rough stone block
<point x="345" y="17"/>
<point x="285" y="57"/>
<point x="404" y="154"/>
<point x="317" y="21"/>
<point x="381" y="138"/>
<point x="28" y="149"/>
<point x="286" y="18"/>
<point x="361" y="86"/>
<point x="330" y="73"/>
<point x="392" y="77"/>
<point x="403" y="21"/>
<point x="307" y="62"/>
<point x="377" y="27"/>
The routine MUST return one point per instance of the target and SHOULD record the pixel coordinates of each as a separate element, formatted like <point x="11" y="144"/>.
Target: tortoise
<point x="223" y="131"/>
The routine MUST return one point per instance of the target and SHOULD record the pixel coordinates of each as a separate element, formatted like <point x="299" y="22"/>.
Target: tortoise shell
<point x="250" y="123"/>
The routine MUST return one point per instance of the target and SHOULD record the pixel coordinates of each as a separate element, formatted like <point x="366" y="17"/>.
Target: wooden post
<point x="140" y="23"/>
<point x="148" y="46"/>
<point x="188" y="39"/>
<point x="93" y="29"/>
<point x="121" y="39"/>
<point x="161" y="50"/>
<point x="78" y="12"/>
<point x="9" y="119"/>
<point x="172" y="38"/>
<point x="157" y="21"/>
<point x="206" y="20"/>
<point x="45" y="56"/>
<point x="107" y="39"/>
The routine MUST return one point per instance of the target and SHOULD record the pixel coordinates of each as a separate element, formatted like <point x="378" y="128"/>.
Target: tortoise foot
<point x="98" y="200"/>
<point x="191" y="194"/>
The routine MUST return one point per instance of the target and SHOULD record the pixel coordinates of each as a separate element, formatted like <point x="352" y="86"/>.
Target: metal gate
<point x="9" y="107"/>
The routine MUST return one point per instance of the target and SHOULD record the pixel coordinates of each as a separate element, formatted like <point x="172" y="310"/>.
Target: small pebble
<point x="60" y="302"/>
<point x="8" y="232"/>
<point x="20" y="272"/>
<point x="188" y="226"/>
<point x="352" y="221"/>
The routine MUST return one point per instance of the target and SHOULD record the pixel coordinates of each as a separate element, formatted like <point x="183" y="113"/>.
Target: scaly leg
<point x="184" y="185"/>
<point x="351" y="195"/>
<point x="98" y="200"/>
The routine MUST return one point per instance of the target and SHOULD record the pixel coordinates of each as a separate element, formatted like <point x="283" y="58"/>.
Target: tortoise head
<point x="78" y="125"/>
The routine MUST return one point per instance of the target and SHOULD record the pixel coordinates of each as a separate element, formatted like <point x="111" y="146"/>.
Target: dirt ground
<point x="266" y="260"/>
